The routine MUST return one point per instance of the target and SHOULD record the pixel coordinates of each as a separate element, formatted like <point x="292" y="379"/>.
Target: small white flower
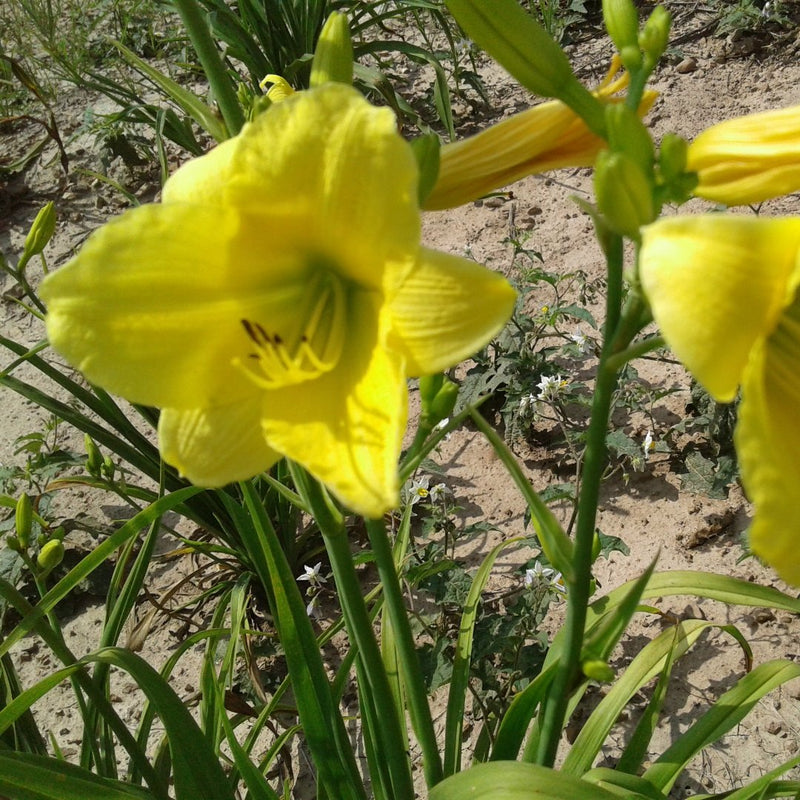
<point x="312" y="609"/>
<point x="313" y="575"/>
<point x="441" y="425"/>
<point x="579" y="339"/>
<point x="418" y="490"/>
<point x="438" y="493"/>
<point x="648" y="444"/>
<point x="463" y="47"/>
<point x="558" y="584"/>
<point x="526" y="403"/>
<point x="551" y="386"/>
<point x="538" y="574"/>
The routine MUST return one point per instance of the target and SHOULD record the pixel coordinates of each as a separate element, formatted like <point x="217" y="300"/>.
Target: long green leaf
<point x="515" y="780"/>
<point x="647" y="664"/>
<point x="202" y="114"/>
<point x="25" y="776"/>
<point x="732" y="591"/>
<point x="321" y="719"/>
<point x="727" y="712"/>
<point x="456" y="698"/>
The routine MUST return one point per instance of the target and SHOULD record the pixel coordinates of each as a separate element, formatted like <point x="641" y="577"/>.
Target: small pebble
<point x="686" y="66"/>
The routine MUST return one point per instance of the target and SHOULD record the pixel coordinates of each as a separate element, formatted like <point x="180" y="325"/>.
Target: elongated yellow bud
<point x="51" y="555"/>
<point x="333" y="57"/>
<point x="23" y="520"/>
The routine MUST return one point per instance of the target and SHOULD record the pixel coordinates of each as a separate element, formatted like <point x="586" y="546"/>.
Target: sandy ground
<point x="705" y="81"/>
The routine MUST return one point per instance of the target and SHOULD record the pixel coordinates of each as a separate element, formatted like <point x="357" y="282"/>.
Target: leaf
<point x="515" y="780"/>
<point x="702" y="476"/>
<point x="24" y="776"/>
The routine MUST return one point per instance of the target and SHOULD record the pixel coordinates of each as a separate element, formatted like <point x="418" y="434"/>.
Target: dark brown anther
<point x="277" y="339"/>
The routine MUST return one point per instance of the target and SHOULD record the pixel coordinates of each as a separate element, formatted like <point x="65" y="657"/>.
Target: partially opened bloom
<point x="723" y="290"/>
<point x="748" y="159"/>
<point x="276" y="300"/>
<point x="545" y="137"/>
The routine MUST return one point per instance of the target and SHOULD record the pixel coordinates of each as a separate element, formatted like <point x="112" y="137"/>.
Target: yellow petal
<point x="446" y="310"/>
<point x="717" y="284"/>
<point x="336" y="173"/>
<point x="346" y="427"/>
<point x="768" y="443"/>
<point x="748" y="159"/>
<point x="152" y="306"/>
<point x="216" y="446"/>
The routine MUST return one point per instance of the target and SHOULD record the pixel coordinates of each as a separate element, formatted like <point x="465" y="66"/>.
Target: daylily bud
<point x="672" y="156"/>
<point x="597" y="547"/>
<point x="51" y="555"/>
<point x="333" y="57"/>
<point x="627" y="134"/>
<point x="438" y="395"/>
<point x="598" y="670"/>
<point x="23" y="520"/>
<point x="517" y="42"/>
<point x="624" y="196"/>
<point x="622" y="23"/>
<point x="13" y="543"/>
<point x="108" y="468"/>
<point x="40" y="234"/>
<point x="654" y="37"/>
<point x="94" y="458"/>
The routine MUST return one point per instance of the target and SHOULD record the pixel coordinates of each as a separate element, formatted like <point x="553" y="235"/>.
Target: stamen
<point x="285" y="359"/>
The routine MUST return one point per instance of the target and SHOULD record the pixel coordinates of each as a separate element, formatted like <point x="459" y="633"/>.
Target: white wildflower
<point x="579" y="339"/>
<point x="438" y="493"/>
<point x="538" y="574"/>
<point x="313" y="575"/>
<point x="551" y="386"/>
<point x="648" y="444"/>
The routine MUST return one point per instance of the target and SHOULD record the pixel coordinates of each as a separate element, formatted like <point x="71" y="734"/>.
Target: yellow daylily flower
<point x="545" y="137"/>
<point x="748" y="159"/>
<point x="723" y="290"/>
<point x="277" y="299"/>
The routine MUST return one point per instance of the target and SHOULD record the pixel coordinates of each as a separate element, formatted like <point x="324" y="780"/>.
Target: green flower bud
<point x="654" y="37"/>
<point x="596" y="547"/>
<point x="108" y="468"/>
<point x="623" y="193"/>
<point x="444" y="402"/>
<point x="622" y="23"/>
<point x="438" y="395"/>
<point x="94" y="458"/>
<point x="598" y="670"/>
<point x="672" y="156"/>
<point x="333" y="57"/>
<point x="627" y="134"/>
<point x="13" y="543"/>
<point x="23" y="520"/>
<point x="41" y="231"/>
<point x="429" y="385"/>
<point x="51" y="555"/>
<point x="518" y="43"/>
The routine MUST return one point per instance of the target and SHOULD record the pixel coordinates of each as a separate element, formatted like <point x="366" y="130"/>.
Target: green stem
<point x="212" y="64"/>
<point x="620" y="328"/>
<point x="409" y="662"/>
<point x="392" y="748"/>
<point x="637" y="350"/>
